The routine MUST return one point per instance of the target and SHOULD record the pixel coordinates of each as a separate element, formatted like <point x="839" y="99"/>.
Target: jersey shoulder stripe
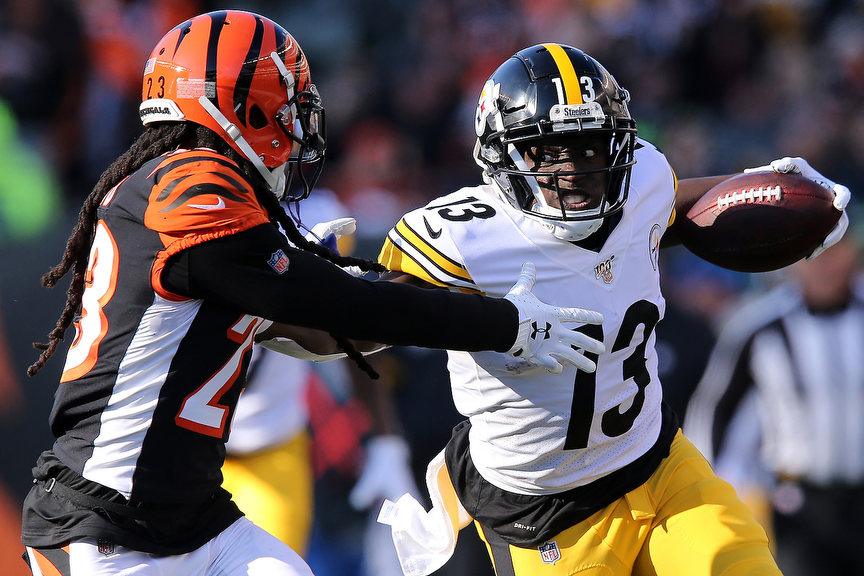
<point x="425" y="253"/>
<point x="393" y="258"/>
<point x="675" y="184"/>
<point x="441" y="260"/>
<point x="198" y="195"/>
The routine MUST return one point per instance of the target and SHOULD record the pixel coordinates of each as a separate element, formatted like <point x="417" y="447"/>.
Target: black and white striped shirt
<point x="784" y="388"/>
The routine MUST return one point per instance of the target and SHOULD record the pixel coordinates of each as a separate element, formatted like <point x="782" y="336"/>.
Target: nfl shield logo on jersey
<point x="105" y="546"/>
<point x="278" y="261"/>
<point x="549" y="552"/>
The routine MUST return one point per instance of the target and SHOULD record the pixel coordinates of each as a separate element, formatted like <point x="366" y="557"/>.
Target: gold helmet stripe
<point x="572" y="92"/>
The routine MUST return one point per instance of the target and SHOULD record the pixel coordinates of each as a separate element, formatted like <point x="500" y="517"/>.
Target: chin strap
<point x="275" y="178"/>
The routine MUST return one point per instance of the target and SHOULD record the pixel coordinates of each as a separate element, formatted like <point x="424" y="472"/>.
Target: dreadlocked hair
<point x="153" y="142"/>
<point x="278" y="214"/>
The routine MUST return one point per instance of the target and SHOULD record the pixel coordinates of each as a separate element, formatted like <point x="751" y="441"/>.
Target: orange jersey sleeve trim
<point x="184" y="243"/>
<point x="197" y="196"/>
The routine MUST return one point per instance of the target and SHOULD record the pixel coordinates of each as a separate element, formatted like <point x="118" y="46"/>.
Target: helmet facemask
<point x="244" y="77"/>
<point x="302" y="121"/>
<point x="605" y="186"/>
<point x="553" y="95"/>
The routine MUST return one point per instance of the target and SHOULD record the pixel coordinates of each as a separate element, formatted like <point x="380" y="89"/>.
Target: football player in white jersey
<point x="574" y="472"/>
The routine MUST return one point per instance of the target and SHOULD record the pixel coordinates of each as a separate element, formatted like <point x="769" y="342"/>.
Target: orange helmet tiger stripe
<point x="243" y="76"/>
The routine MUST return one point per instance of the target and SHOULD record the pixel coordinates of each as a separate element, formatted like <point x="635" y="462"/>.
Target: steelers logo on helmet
<point x="562" y="145"/>
<point x="488" y="105"/>
<point x="247" y="79"/>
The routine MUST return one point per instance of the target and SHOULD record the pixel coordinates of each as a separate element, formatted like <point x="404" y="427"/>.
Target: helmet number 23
<point x="160" y="87"/>
<point x="614" y="422"/>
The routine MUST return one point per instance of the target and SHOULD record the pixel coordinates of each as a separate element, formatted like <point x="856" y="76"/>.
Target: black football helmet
<point x="542" y="95"/>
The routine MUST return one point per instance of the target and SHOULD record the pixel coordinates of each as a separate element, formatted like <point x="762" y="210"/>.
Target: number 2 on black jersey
<point x="202" y="410"/>
<point x="614" y="422"/>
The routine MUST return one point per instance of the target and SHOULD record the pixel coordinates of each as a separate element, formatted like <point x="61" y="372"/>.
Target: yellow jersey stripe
<point x="672" y="216"/>
<point x="443" y="263"/>
<point x="393" y="258"/>
<point x="572" y="92"/>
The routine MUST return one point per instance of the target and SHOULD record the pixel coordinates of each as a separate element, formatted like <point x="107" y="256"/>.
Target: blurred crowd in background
<point x="718" y="85"/>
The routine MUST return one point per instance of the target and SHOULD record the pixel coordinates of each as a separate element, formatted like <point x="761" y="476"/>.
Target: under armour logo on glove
<point x="559" y="344"/>
<point x="543" y="331"/>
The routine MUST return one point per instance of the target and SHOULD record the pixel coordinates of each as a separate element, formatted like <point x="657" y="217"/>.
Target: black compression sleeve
<point x="314" y="293"/>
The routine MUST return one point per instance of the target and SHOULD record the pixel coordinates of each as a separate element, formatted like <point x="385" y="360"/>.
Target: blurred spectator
<point x="780" y="411"/>
<point x="701" y="288"/>
<point x="119" y="37"/>
<point x="684" y="341"/>
<point x="10" y="387"/>
<point x="43" y="64"/>
<point x="377" y="176"/>
<point x="30" y="196"/>
<point x="698" y="294"/>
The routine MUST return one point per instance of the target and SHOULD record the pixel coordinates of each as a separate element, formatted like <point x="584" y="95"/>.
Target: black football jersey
<point x="184" y="268"/>
<point x="151" y="377"/>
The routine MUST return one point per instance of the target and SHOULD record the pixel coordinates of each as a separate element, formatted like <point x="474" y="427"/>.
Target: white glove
<point x="328" y="233"/>
<point x="542" y="338"/>
<point x="338" y="228"/>
<point x="386" y="474"/>
<point x="842" y="195"/>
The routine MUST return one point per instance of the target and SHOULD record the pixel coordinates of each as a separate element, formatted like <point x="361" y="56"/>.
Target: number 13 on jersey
<point x="614" y="422"/>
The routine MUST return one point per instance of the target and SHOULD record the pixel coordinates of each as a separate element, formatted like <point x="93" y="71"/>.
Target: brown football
<point x="759" y="222"/>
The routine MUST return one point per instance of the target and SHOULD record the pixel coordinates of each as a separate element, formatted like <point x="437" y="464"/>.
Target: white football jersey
<point x="534" y="432"/>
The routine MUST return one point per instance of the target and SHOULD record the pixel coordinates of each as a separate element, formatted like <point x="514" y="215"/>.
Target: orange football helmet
<point x="247" y="79"/>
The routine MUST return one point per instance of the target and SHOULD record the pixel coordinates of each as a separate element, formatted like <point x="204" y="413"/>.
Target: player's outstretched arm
<point x="544" y="338"/>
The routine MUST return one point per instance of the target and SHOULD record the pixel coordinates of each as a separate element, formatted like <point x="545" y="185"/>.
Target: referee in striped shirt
<point x="780" y="411"/>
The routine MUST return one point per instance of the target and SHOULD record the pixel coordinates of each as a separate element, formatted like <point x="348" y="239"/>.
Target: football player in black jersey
<point x="178" y="267"/>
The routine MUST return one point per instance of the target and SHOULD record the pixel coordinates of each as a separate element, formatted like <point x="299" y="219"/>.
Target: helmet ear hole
<point x="257" y="120"/>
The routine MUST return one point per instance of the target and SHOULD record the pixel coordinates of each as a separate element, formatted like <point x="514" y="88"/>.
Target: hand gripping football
<point x="759" y="222"/>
